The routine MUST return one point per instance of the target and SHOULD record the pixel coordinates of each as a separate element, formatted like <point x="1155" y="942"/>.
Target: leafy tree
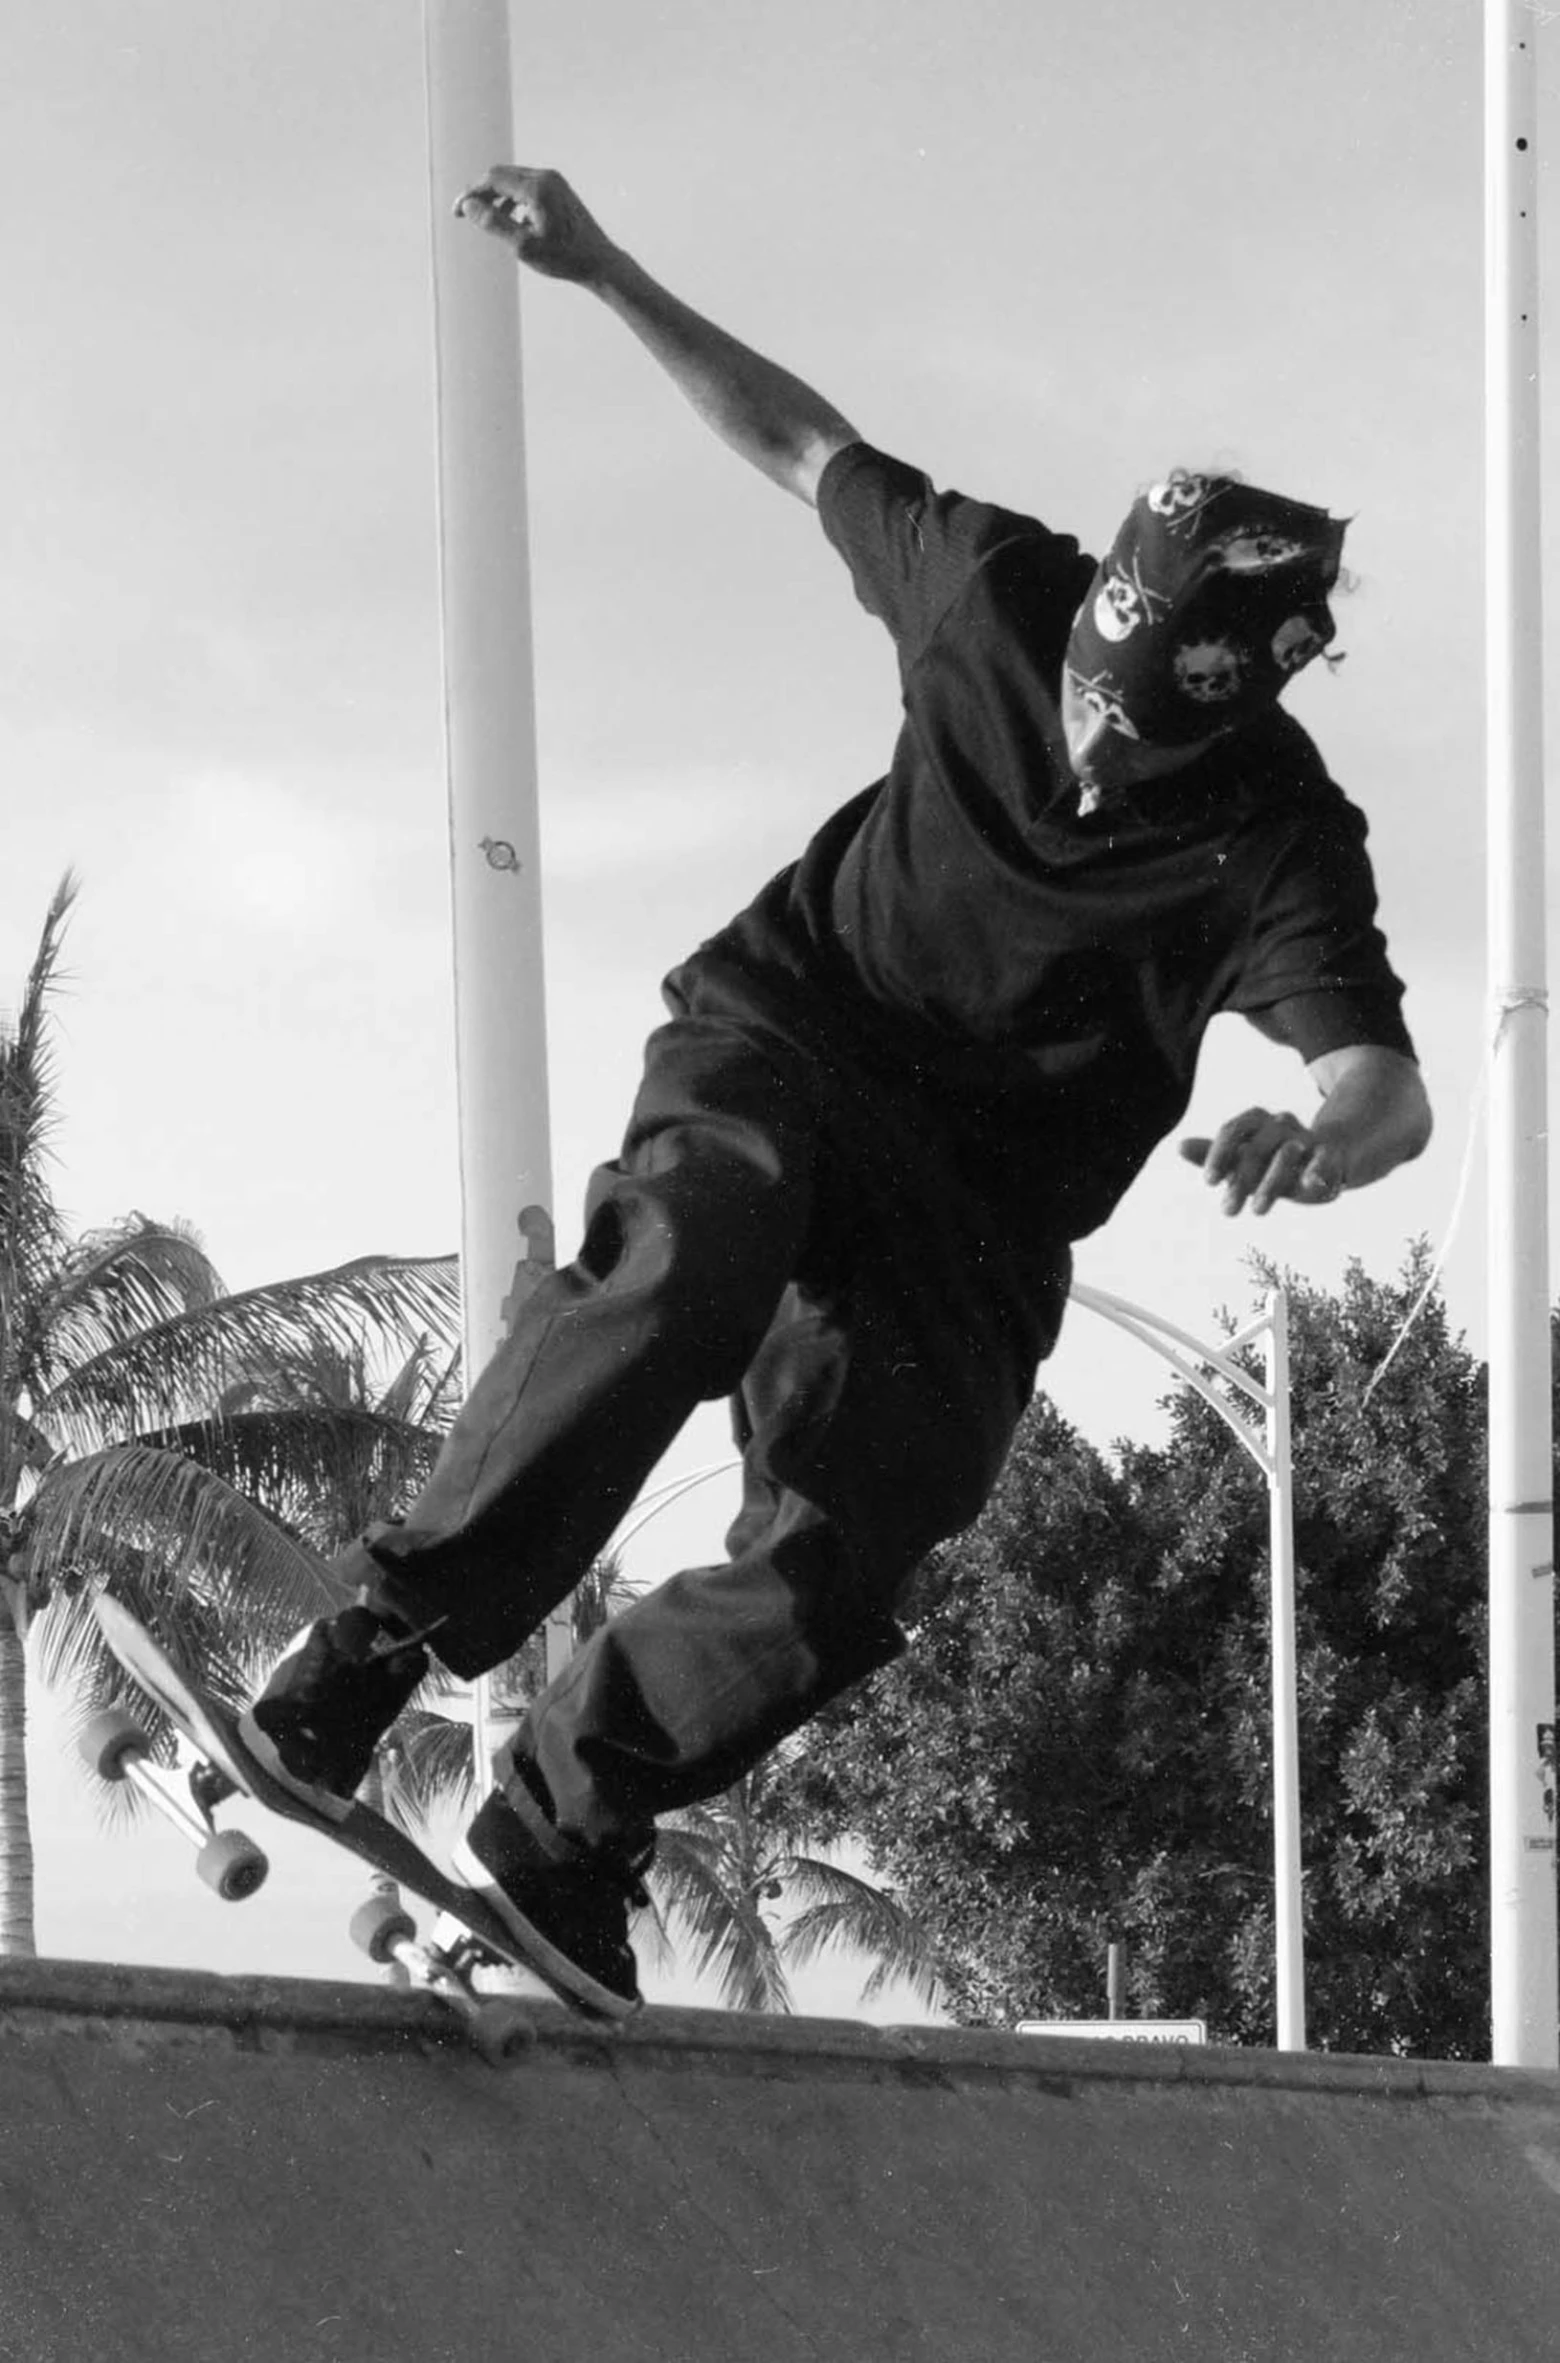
<point x="1077" y="1747"/>
<point x="133" y="1405"/>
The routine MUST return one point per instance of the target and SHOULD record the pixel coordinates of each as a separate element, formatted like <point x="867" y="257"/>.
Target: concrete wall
<point x="205" y="2170"/>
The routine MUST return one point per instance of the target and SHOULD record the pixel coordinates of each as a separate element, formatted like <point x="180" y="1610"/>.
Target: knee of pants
<point x="897" y="1461"/>
<point x="705" y="1278"/>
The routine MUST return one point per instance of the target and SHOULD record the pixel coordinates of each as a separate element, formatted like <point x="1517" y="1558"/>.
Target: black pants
<point x="789" y="1234"/>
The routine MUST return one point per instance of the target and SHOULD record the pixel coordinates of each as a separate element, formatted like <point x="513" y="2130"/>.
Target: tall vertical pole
<point x="1288" y="1886"/>
<point x="1521" y="1576"/>
<point x="489" y="705"/>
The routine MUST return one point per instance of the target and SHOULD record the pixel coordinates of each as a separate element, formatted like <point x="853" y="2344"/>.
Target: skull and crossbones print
<point x="1124" y="601"/>
<point x="1101" y="697"/>
<point x="1296" y="642"/>
<point x="1210" y="672"/>
<point x="1180" y="496"/>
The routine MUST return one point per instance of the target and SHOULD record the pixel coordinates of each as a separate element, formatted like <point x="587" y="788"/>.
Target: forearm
<point x="1373" y="1118"/>
<point x="768" y="416"/>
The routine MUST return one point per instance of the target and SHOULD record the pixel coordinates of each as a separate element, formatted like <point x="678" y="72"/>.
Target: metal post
<point x="1289" y="1932"/>
<point x="1521" y="1575"/>
<point x="489" y="710"/>
<point x="1215" y="1373"/>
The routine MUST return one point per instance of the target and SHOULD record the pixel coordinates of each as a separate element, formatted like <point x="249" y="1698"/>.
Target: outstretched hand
<point x="539" y="216"/>
<point x="1260" y="1158"/>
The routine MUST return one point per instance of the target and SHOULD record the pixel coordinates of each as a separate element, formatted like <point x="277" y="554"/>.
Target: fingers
<point x="488" y="209"/>
<point x="1259" y="1158"/>
<point x="1285" y="1175"/>
<point x="504" y="200"/>
<point x="537" y="214"/>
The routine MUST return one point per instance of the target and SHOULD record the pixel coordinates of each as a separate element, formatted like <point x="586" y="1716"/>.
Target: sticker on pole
<point x="1120" y="2030"/>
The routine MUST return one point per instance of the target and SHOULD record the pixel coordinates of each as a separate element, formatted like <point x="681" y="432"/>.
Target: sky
<point x="1045" y="251"/>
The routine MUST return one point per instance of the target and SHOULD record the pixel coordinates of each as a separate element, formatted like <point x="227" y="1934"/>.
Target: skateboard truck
<point x="117" y="1748"/>
<point x="444" y="1964"/>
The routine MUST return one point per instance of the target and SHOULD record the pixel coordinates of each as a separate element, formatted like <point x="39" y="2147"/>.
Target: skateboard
<point x="467" y="1935"/>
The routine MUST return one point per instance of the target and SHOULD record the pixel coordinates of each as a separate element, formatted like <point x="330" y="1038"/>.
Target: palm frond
<point x="32" y="1237"/>
<point x="23" y="1038"/>
<point x="27" y="1101"/>
<point x="730" y="1935"/>
<point x="321" y="1470"/>
<point x="425" y="1392"/>
<point x="843" y="1912"/>
<point x="112" y="1285"/>
<point x="179" y="1368"/>
<point x="602" y="1591"/>
<point x="159" y="1523"/>
<point x="427" y="1764"/>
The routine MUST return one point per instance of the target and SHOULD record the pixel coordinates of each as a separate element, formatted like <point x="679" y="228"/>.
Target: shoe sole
<point x="575" y="1983"/>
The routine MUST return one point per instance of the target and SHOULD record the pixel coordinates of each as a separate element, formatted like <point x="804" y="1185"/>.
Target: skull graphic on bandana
<point x="1296" y="642"/>
<point x="1118" y="610"/>
<point x="1180" y="496"/>
<point x="1209" y="671"/>
<point x="1122" y="603"/>
<point x="1098" y="698"/>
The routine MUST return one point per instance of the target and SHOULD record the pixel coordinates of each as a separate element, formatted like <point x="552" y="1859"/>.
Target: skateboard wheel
<point x="232" y="1864"/>
<point x="109" y="1739"/>
<point x="378" y="1926"/>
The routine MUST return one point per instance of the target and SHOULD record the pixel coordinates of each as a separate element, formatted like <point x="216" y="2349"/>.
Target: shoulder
<point x="864" y="489"/>
<point x="1283" y="799"/>
<point x="915" y="551"/>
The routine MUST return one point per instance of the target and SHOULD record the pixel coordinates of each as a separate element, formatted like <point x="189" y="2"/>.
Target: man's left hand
<point x="1260" y="1157"/>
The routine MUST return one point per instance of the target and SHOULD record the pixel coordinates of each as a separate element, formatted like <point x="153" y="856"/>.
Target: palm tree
<point x="721" y="1870"/>
<point x="139" y="1405"/>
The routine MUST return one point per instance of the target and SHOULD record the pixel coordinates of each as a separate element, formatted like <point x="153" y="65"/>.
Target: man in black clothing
<point x="892" y="1092"/>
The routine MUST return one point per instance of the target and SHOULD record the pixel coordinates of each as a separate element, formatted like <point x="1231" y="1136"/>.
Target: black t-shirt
<point x="1046" y="979"/>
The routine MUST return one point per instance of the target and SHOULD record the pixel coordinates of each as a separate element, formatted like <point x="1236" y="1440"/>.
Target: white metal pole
<point x="1217" y="1375"/>
<point x="1521" y="1575"/>
<point x="1288" y="1891"/>
<point x="489" y="707"/>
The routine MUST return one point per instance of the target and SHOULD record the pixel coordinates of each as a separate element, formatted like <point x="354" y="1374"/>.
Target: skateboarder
<point x="891" y="1094"/>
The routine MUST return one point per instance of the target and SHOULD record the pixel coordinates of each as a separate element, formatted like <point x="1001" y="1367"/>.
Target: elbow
<point x="1419" y="1122"/>
<point x="811" y="453"/>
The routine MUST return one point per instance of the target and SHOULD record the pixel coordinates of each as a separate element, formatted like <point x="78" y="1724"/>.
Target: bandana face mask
<point x="1213" y="595"/>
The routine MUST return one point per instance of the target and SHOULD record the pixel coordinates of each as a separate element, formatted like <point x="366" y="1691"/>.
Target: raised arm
<point x="767" y="416"/>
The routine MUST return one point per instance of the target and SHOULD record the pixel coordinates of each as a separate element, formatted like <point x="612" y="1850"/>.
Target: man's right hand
<point x="538" y="214"/>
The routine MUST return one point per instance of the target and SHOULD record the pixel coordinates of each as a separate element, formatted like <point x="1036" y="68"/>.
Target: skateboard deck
<point x="468" y="1935"/>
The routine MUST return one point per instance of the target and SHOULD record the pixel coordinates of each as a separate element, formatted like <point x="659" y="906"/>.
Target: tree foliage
<point x="1076" y="1748"/>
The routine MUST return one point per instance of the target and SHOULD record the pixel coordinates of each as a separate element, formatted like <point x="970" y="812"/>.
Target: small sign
<point x="1120" y="2030"/>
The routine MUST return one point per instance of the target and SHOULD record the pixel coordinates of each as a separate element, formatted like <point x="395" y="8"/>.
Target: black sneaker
<point x="330" y="1698"/>
<point x="566" y="1908"/>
